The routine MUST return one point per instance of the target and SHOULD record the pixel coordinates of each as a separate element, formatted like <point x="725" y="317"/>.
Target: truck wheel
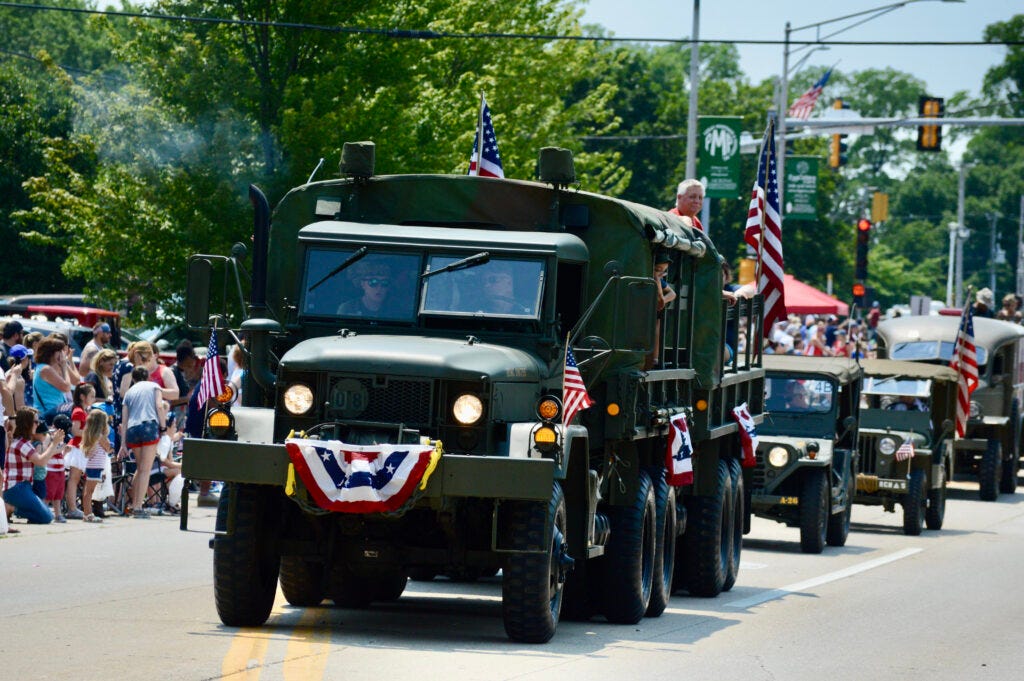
<point x="302" y="581"/>
<point x="389" y="587"/>
<point x="814" y="508"/>
<point x="738" y="498"/>
<point x="936" y="511"/>
<point x="531" y="586"/>
<point x="707" y="542"/>
<point x="422" y="574"/>
<point x="349" y="590"/>
<point x="629" y="556"/>
<point x="665" y="547"/>
<point x="839" y="523"/>
<point x="245" y="565"/>
<point x="1011" y="464"/>
<point x="989" y="471"/>
<point x="914" y="504"/>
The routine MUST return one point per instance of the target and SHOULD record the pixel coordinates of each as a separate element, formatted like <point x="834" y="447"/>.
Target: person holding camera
<point x="21" y="457"/>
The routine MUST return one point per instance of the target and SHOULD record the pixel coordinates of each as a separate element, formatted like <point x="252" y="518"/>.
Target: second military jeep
<point x="807" y="449"/>
<point x="906" y="439"/>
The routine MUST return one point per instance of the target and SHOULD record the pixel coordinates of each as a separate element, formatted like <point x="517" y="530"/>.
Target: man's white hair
<point x="686" y="184"/>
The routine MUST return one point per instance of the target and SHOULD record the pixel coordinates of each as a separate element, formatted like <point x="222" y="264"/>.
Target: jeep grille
<point x="868" y="447"/>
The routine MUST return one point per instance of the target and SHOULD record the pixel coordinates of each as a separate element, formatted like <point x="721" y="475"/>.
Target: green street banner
<point x="719" y="158"/>
<point x="801" y="188"/>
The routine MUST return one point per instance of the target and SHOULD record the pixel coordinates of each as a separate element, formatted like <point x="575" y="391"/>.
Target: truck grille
<point x="868" y="447"/>
<point x="387" y="400"/>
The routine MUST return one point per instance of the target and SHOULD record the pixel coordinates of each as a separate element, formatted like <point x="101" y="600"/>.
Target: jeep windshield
<point x="798" y="395"/>
<point x="495" y="288"/>
<point x="895" y="385"/>
<point x="917" y="351"/>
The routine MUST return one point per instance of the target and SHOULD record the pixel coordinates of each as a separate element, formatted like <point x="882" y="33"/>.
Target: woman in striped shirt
<point x="21" y="457"/>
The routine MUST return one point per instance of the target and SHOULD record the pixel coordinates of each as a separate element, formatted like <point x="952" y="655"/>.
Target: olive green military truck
<point x="807" y="448"/>
<point x="906" y="439"/>
<point x="990" y="448"/>
<point x="429" y="316"/>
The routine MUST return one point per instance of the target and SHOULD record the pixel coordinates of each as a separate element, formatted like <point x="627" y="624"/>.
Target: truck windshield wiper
<point x="472" y="261"/>
<point x="355" y="257"/>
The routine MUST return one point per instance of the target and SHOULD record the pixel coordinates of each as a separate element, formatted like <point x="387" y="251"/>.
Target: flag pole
<point x="760" y="239"/>
<point x="479" y="135"/>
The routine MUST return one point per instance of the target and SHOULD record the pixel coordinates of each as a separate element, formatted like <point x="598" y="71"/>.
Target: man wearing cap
<point x="984" y="303"/>
<point x="13" y="334"/>
<point x="100" y="339"/>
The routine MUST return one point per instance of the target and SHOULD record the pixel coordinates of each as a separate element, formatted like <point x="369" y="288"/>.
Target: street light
<point x="868" y="15"/>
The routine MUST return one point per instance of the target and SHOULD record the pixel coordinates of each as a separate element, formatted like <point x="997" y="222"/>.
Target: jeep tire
<point x="989" y="471"/>
<point x="914" y="503"/>
<point x="814" y="510"/>
<point x="532" y="583"/>
<point x="1011" y="462"/>
<point x="839" y="523"/>
<point x="936" y="511"/>
<point x="245" y="564"/>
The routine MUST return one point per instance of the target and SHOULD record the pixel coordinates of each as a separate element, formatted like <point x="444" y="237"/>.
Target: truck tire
<point x="814" y="508"/>
<point x="422" y="574"/>
<point x="738" y="502"/>
<point x="302" y="581"/>
<point x="245" y="565"/>
<point x="349" y="590"/>
<point x="665" y="547"/>
<point x="839" y="523"/>
<point x="532" y="583"/>
<point x="389" y="587"/>
<point x="989" y="472"/>
<point x="914" y="504"/>
<point x="936" y="511"/>
<point x="1011" y="464"/>
<point x="707" y="542"/>
<point x="629" y="556"/>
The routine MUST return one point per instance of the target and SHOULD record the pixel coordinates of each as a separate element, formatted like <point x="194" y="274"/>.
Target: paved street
<point x="133" y="600"/>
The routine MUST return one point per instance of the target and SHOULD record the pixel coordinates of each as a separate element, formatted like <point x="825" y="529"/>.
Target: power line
<point x="70" y="70"/>
<point x="421" y="34"/>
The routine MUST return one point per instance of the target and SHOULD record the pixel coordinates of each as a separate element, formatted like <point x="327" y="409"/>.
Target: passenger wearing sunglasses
<point x="374" y="285"/>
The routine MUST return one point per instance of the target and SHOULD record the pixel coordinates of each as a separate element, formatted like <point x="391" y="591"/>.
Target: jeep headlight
<point x="887" y="446"/>
<point x="298" y="399"/>
<point x="467" y="409"/>
<point x="778" y="456"/>
<point x="976" y="412"/>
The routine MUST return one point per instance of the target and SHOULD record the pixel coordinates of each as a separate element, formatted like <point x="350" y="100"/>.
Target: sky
<point x="946" y="70"/>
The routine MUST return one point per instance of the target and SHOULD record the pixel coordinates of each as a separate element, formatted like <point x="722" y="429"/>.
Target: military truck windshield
<point x="498" y="288"/>
<point x="382" y="285"/>
<point x="799" y="396"/>
<point x="930" y="350"/>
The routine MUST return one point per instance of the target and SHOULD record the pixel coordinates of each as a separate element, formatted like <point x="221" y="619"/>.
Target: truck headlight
<point x="298" y="399"/>
<point x="887" y="445"/>
<point x="467" y="409"/>
<point x="976" y="412"/>
<point x="778" y="456"/>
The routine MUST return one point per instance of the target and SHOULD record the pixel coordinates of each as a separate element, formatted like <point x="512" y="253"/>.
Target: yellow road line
<point x="244" y="658"/>
<point x="308" y="648"/>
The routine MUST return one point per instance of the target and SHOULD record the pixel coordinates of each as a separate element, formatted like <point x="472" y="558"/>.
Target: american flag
<point x="212" y="383"/>
<point x="906" y="451"/>
<point x="965" y="361"/>
<point x="574" y="392"/>
<point x="802" y="107"/>
<point x="765" y="219"/>
<point x="491" y="164"/>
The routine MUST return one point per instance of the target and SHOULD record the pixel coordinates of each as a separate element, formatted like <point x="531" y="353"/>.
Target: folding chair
<point x="124" y="474"/>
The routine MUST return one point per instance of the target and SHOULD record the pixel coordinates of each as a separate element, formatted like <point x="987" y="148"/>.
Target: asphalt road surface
<point x="133" y="599"/>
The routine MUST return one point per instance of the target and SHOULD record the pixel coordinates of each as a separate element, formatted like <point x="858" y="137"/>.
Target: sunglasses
<point x="377" y="283"/>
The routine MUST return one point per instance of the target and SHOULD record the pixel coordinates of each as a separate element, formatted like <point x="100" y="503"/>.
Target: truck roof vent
<point x="555" y="166"/>
<point x="357" y="159"/>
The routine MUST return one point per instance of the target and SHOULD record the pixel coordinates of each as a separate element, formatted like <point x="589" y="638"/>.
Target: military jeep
<point x="906" y="439"/>
<point x="807" y="448"/>
<point x="990" y="449"/>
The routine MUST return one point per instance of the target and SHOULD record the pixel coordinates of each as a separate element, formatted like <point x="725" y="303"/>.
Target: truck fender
<point x="254" y="424"/>
<point x="520" y="443"/>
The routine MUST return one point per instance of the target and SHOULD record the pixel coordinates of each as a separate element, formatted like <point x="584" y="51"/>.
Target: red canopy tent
<point x="803" y="298"/>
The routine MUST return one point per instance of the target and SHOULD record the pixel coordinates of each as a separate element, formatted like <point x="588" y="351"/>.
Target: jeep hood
<point x="454" y="359"/>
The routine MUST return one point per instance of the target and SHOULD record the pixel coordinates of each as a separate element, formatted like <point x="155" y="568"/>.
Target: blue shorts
<point x="94" y="474"/>
<point x="145" y="433"/>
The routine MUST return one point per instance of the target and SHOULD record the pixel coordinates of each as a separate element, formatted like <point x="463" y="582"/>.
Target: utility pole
<point x="962" y="235"/>
<point x="691" y="121"/>
<point x="993" y="219"/>
<point x="1020" y="250"/>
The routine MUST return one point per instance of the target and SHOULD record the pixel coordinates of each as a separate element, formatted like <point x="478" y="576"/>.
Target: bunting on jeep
<point x="361" y="479"/>
<point x="748" y="434"/>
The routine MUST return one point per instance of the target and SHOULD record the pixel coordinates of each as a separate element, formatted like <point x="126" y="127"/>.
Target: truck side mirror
<point x="947" y="426"/>
<point x="197" y="293"/>
<point x="638" y="303"/>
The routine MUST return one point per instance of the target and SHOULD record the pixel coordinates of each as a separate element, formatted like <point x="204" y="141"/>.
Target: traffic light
<point x="837" y="146"/>
<point x="859" y="297"/>
<point x="860" y="272"/>
<point x="929" y="137"/>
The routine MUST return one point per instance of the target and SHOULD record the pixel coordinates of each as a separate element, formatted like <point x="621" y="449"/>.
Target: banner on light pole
<point x="719" y="160"/>
<point x="801" y="188"/>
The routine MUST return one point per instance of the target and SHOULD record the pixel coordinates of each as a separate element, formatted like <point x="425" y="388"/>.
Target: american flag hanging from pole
<point x="803" y="106"/>
<point x="764" y="232"/>
<point x="574" y="392"/>
<point x="490" y="166"/>
<point x="212" y="382"/>
<point x="965" y="361"/>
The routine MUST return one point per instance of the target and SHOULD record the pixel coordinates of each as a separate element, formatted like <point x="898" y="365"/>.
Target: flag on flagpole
<point x="764" y="232"/>
<point x="490" y="166"/>
<point x="906" y="451"/>
<point x="574" y="392"/>
<point x="965" y="362"/>
<point x="212" y="382"/>
<point x="803" y="106"/>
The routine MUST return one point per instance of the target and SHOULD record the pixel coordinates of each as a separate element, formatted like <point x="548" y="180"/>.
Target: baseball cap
<point x="20" y="352"/>
<point x="104" y="327"/>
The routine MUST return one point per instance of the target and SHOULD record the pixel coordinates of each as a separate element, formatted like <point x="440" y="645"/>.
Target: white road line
<point x="773" y="594"/>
